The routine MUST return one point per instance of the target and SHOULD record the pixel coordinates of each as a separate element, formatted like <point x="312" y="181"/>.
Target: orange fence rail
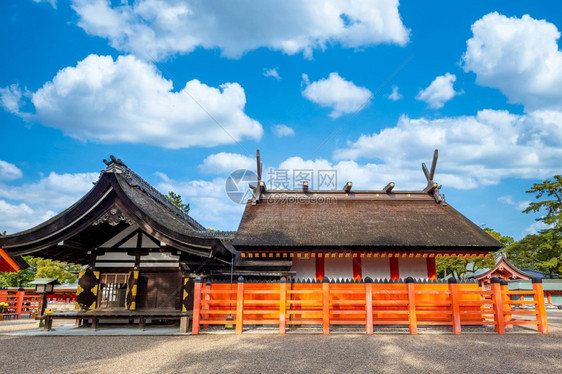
<point x="19" y="303"/>
<point x="365" y="303"/>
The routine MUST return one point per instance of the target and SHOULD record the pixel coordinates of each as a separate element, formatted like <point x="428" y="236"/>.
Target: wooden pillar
<point x="506" y="306"/>
<point x="368" y="306"/>
<point x="240" y="306"/>
<point x="549" y="297"/>
<point x="19" y="301"/>
<point x="394" y="268"/>
<point x="325" y="306"/>
<point x="282" y="304"/>
<point x="357" y="272"/>
<point x="540" y="307"/>
<point x="207" y="305"/>
<point x="455" y="308"/>
<point x="3" y="296"/>
<point x="497" y="298"/>
<point x="412" y="320"/>
<point x="132" y="289"/>
<point x="196" y="306"/>
<point x="320" y="266"/>
<point x="431" y="268"/>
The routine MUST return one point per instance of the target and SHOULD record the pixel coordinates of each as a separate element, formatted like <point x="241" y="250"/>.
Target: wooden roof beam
<point x="388" y="188"/>
<point x="347" y="187"/>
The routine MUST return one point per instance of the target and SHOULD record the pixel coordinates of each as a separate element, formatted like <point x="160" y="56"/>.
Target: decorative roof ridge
<point x="117" y="166"/>
<point x="432" y="188"/>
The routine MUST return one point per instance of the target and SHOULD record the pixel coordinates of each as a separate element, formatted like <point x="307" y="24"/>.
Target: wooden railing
<point x="19" y="303"/>
<point x="367" y="303"/>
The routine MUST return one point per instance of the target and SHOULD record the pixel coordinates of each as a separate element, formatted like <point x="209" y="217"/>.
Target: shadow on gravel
<point x="337" y="353"/>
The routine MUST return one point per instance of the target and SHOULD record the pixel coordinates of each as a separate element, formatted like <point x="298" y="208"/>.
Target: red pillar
<point x="431" y="268"/>
<point x="320" y="266"/>
<point x="394" y="268"/>
<point x="19" y="304"/>
<point x="357" y="273"/>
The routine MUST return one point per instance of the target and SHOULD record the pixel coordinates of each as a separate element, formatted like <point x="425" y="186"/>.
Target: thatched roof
<point x="363" y="220"/>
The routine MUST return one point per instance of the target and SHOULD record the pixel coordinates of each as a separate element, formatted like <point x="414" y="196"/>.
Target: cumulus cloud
<point x="26" y="205"/>
<point x="9" y="171"/>
<point x="519" y="56"/>
<point x="56" y="191"/>
<point x="474" y="150"/>
<point x="439" y="91"/>
<point x="395" y="95"/>
<point x="155" y="29"/>
<point x="273" y="73"/>
<point x="283" y="130"/>
<point x="209" y="203"/>
<point x="128" y="101"/>
<point x="337" y="93"/>
<point x="226" y="163"/>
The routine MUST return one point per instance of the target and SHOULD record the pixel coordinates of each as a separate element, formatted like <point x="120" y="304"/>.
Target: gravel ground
<point x="294" y="353"/>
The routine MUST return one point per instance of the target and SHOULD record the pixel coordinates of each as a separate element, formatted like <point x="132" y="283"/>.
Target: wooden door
<point x="159" y="290"/>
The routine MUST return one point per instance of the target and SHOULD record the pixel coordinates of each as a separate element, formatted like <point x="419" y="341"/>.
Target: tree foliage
<point x="542" y="251"/>
<point x="553" y="207"/>
<point x="459" y="267"/>
<point x="177" y="201"/>
<point x="41" y="268"/>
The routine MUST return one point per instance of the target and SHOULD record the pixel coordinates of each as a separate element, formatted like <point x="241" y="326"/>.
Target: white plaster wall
<point x="305" y="267"/>
<point x="412" y="267"/>
<point x="338" y="267"/>
<point x="375" y="267"/>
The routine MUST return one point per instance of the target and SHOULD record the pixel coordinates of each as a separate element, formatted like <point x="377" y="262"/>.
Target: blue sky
<point x="185" y="91"/>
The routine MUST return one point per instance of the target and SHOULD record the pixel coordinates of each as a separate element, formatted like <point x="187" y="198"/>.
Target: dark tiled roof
<point x="159" y="208"/>
<point x="365" y="219"/>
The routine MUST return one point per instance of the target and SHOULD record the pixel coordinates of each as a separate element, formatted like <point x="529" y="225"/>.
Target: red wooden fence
<point x="364" y="303"/>
<point x="19" y="303"/>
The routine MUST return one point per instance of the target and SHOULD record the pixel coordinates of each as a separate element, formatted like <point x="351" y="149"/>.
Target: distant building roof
<point x="503" y="269"/>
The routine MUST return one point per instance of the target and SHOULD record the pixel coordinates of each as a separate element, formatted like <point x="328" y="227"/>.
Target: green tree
<point x="542" y="252"/>
<point x="19" y="279"/>
<point x="458" y="267"/>
<point x="41" y="268"/>
<point x="177" y="201"/>
<point x="553" y="207"/>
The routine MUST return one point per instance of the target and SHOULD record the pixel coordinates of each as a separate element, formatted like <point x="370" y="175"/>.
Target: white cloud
<point x="507" y="199"/>
<point x="536" y="227"/>
<point x="209" y="203"/>
<point x="55" y="191"/>
<point x="523" y="205"/>
<point x="128" y="101"/>
<point x="283" y="130"/>
<point x="474" y="150"/>
<point x="519" y="56"/>
<point x="11" y="98"/>
<point x="337" y="93"/>
<point x="52" y="2"/>
<point x="9" y="171"/>
<point x="395" y="95"/>
<point x="26" y="205"/>
<point x="272" y="73"/>
<point x="439" y="91"/>
<point x="226" y="163"/>
<point x="155" y="29"/>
